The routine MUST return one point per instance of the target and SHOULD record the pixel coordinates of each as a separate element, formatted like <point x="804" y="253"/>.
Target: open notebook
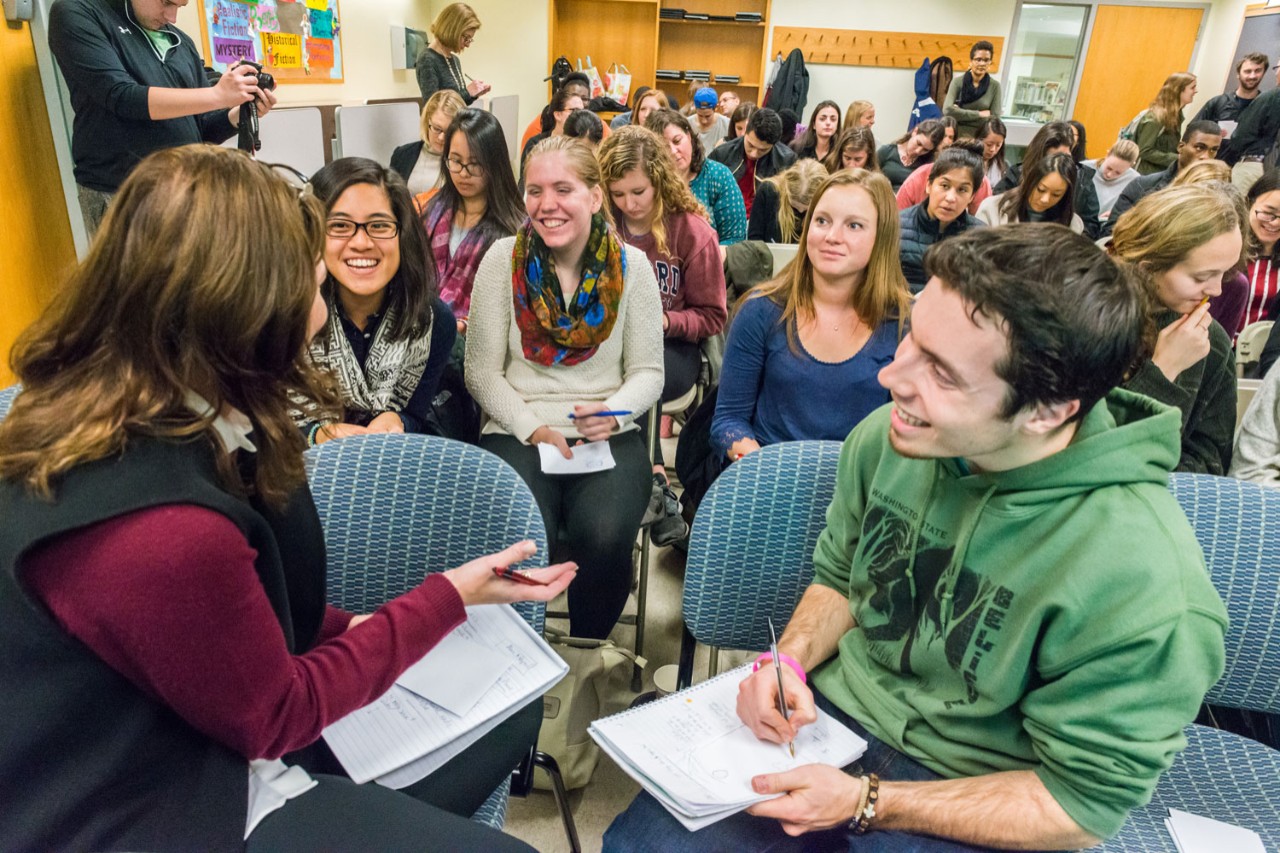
<point x="692" y="753"/>
<point x="488" y="668"/>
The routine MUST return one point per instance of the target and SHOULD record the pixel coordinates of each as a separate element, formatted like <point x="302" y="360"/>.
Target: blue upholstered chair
<point x="6" y="398"/>
<point x="393" y="506"/>
<point x="1222" y="775"/>
<point x="751" y="548"/>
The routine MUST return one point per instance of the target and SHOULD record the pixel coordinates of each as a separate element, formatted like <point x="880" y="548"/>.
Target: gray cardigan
<point x="436" y="73"/>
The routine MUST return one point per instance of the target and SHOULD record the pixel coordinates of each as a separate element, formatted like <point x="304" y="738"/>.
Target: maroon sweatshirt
<point x="169" y="598"/>
<point x="690" y="276"/>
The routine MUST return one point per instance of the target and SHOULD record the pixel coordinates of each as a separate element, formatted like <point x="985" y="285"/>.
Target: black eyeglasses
<point x="458" y="167"/>
<point x="378" y="229"/>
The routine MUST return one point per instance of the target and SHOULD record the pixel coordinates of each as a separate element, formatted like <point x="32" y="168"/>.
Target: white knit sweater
<point x="518" y="396"/>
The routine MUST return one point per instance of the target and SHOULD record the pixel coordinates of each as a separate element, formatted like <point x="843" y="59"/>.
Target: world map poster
<point x="298" y="41"/>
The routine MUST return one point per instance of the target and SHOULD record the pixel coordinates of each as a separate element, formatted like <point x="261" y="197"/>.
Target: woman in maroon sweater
<point x="161" y="563"/>
<point x="657" y="213"/>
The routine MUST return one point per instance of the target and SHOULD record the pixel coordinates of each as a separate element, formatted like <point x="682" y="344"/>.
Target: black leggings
<point x="433" y="814"/>
<point x="592" y="519"/>
<point x="681" y="362"/>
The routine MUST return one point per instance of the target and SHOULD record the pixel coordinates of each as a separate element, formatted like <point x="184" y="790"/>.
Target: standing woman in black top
<point x="388" y="336"/>
<point x="438" y="65"/>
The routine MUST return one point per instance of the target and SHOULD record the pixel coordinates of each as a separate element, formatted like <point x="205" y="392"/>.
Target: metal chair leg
<point x="547" y="763"/>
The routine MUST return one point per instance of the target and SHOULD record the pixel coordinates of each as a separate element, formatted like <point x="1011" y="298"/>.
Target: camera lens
<point x="266" y="82"/>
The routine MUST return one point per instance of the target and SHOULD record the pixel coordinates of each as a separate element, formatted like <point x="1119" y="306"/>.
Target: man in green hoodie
<point x="1008" y="602"/>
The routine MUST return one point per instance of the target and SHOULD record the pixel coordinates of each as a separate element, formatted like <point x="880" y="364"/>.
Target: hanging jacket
<point x="925" y="106"/>
<point x="1056" y="617"/>
<point x="790" y="87"/>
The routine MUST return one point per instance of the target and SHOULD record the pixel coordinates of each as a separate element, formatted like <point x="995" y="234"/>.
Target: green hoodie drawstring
<point x="957" y="560"/>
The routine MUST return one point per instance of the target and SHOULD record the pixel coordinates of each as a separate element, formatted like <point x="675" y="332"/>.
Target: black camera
<point x="266" y="82"/>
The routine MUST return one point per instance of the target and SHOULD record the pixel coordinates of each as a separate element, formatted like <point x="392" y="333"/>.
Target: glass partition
<point x="1046" y="47"/>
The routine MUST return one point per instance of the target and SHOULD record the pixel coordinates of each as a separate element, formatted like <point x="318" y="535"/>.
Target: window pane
<point x="1046" y="48"/>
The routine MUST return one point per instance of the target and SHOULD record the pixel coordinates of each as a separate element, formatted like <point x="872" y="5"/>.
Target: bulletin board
<point x="298" y="41"/>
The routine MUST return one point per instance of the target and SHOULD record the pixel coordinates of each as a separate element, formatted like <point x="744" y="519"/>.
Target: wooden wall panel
<point x="1122" y="73"/>
<point x="35" y="241"/>
<point x="880" y="49"/>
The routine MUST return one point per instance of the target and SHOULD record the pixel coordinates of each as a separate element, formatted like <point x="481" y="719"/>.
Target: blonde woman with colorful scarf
<point x="564" y="350"/>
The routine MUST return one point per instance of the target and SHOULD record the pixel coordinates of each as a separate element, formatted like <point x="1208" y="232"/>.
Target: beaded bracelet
<point x="866" y="812"/>
<point x="787" y="659"/>
<point x="312" y="433"/>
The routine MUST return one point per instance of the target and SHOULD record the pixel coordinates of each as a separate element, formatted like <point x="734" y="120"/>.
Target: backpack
<point x="560" y="69"/>
<point x="1130" y="130"/>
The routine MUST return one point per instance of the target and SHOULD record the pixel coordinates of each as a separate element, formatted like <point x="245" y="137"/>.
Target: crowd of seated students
<point x="566" y="310"/>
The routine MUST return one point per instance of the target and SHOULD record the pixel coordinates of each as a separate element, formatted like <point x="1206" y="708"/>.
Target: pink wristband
<point x="787" y="659"/>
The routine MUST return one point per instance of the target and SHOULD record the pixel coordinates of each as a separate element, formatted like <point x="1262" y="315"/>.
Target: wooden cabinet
<point x="633" y="33"/>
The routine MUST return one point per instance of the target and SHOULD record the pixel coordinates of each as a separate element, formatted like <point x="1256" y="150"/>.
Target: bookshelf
<point x="631" y="32"/>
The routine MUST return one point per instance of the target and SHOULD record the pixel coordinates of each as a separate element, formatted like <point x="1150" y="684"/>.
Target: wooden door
<point x="35" y="241"/>
<point x="1131" y="52"/>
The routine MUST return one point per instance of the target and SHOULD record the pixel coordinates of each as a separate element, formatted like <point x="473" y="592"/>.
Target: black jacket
<point x="109" y="64"/>
<point x="732" y="154"/>
<point x="790" y="88"/>
<point x="1134" y="193"/>
<point x="1256" y="133"/>
<point x="919" y="232"/>
<point x="763" y="224"/>
<point x="405" y="157"/>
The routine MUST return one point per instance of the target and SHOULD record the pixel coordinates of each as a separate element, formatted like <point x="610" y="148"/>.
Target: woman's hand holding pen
<point x="758" y="705"/>
<point x="477" y="583"/>
<point x="591" y="426"/>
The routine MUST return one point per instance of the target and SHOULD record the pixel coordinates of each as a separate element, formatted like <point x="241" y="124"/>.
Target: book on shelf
<point x="749" y="17"/>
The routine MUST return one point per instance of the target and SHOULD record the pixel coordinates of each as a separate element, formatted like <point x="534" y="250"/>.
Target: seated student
<point x="584" y="125"/>
<point x="1182" y="240"/>
<point x="1257" y="448"/>
<point x="819" y="137"/>
<point x="1113" y="173"/>
<point x="576" y="83"/>
<point x="624" y="119"/>
<point x="1045" y="194"/>
<point x="166" y="640"/>
<point x="1200" y="141"/>
<point x="654" y="99"/>
<point x="949" y="129"/>
<point x="710" y="125"/>
<point x="477" y="205"/>
<point x="562" y="104"/>
<point x="419" y="162"/>
<point x="711" y="183"/>
<point x="729" y="101"/>
<point x="910" y="151"/>
<point x="738" y="121"/>
<point x="781" y="202"/>
<point x="566" y="321"/>
<point x="656" y="213"/>
<point x="1262" y="273"/>
<point x="974" y="96"/>
<point x="790" y="127"/>
<point x="978" y="612"/>
<point x="819" y="331"/>
<point x="756" y="155"/>
<point x="388" y="336"/>
<point x="992" y="133"/>
<point x="942" y="214"/>
<point x="1058" y="137"/>
<point x="860" y="114"/>
<point x="913" y="189"/>
<point x="854" y="148"/>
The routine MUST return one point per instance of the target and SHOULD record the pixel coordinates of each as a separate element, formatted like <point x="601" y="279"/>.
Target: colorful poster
<point x="296" y="40"/>
<point x="321" y="24"/>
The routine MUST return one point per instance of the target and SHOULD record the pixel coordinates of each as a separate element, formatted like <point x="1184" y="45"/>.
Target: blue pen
<point x="608" y="414"/>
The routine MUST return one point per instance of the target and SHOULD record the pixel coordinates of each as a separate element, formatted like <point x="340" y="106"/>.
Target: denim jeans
<point x="647" y="827"/>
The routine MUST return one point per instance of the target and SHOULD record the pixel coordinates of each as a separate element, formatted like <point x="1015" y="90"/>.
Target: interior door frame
<point x="1087" y="37"/>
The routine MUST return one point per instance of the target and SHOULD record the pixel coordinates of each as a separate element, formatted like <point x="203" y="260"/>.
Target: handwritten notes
<point x="588" y="458"/>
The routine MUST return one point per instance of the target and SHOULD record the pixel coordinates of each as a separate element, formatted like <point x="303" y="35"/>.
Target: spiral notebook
<point x="692" y="753"/>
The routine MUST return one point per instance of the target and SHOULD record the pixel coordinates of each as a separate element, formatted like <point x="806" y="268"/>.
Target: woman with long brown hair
<point x="162" y="611"/>
<point x="819" y="330"/>
<point x="1160" y="128"/>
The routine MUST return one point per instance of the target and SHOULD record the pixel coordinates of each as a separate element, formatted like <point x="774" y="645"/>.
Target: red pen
<point x="508" y="573"/>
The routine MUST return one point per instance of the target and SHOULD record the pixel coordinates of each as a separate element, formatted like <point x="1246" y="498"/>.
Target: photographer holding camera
<point x="138" y="85"/>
